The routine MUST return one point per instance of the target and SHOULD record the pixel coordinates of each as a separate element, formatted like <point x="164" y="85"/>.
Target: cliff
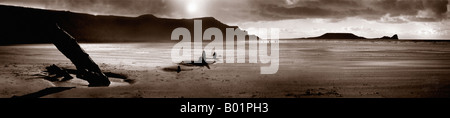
<point x="28" y="25"/>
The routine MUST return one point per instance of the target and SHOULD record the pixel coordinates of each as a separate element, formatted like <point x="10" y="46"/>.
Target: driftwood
<point x="86" y="67"/>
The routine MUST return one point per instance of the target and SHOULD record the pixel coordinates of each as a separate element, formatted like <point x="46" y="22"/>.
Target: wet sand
<point x="308" y="68"/>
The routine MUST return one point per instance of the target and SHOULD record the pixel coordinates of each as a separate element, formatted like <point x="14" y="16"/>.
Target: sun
<point x="191" y="8"/>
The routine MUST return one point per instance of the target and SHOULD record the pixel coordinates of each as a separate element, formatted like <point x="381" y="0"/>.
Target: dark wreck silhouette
<point x="200" y="62"/>
<point x="86" y="68"/>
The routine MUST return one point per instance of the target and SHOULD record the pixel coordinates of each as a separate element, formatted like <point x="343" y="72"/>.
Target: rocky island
<point x="347" y="36"/>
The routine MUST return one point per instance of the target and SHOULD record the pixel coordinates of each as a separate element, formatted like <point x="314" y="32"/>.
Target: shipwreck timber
<point x="86" y="67"/>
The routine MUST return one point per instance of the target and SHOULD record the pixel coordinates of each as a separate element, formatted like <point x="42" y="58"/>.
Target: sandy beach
<point x="308" y="69"/>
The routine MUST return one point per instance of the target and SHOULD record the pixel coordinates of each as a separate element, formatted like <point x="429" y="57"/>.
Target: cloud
<point x="108" y="7"/>
<point x="413" y="10"/>
<point x="393" y="19"/>
<point x="389" y="11"/>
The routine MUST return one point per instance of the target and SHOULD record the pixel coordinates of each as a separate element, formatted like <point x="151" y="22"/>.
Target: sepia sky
<point x="410" y="19"/>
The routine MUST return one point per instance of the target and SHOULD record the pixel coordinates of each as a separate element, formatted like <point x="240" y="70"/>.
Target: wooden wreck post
<point x="86" y="67"/>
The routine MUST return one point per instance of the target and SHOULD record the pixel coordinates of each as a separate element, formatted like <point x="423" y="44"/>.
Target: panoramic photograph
<point x="224" y="49"/>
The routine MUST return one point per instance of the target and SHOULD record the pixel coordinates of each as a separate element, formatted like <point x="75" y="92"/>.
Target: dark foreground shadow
<point x="109" y="74"/>
<point x="57" y="74"/>
<point x="176" y="69"/>
<point x="44" y="92"/>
